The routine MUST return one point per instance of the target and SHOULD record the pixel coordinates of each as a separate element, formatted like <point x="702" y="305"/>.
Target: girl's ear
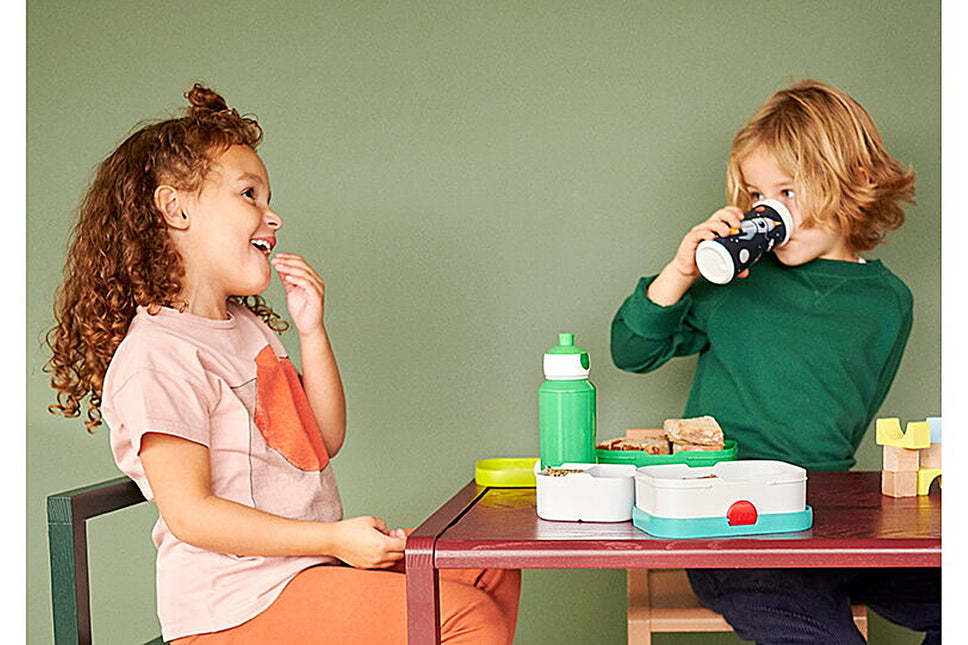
<point x="168" y="201"/>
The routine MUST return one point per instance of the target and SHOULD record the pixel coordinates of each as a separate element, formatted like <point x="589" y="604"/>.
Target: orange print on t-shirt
<point x="283" y="415"/>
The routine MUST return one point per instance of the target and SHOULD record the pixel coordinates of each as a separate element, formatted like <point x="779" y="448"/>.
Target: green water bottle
<point x="566" y="406"/>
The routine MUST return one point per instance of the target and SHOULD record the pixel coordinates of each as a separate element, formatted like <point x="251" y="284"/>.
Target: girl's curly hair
<point x="120" y="255"/>
<point x="830" y="145"/>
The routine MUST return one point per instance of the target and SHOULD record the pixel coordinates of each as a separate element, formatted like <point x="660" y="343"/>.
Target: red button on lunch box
<point x="741" y="512"/>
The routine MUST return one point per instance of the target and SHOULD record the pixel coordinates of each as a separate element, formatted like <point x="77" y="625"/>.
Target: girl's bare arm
<point x="324" y="388"/>
<point x="305" y="297"/>
<point x="179" y="474"/>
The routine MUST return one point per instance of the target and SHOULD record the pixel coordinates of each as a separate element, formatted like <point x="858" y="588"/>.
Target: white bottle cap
<point x="714" y="262"/>
<point x="564" y="367"/>
<point x="566" y="361"/>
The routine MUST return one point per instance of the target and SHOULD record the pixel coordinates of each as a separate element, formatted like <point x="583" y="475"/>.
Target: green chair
<point x="67" y="515"/>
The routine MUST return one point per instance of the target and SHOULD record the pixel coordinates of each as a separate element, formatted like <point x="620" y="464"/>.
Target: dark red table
<point x="481" y="527"/>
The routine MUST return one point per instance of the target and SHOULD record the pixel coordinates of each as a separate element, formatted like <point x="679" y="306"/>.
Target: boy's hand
<point x="305" y="291"/>
<point x="677" y="276"/>
<point x="718" y="225"/>
<point x="366" y="543"/>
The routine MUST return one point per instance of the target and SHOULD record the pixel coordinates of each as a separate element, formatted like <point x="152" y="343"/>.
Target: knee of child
<point x="467" y="612"/>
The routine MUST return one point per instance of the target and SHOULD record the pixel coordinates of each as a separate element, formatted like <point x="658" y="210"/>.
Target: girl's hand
<point x="305" y="291"/>
<point x="719" y="224"/>
<point x="364" y="542"/>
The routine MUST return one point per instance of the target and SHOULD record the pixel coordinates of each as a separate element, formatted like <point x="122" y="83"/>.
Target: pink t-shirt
<point x="228" y="385"/>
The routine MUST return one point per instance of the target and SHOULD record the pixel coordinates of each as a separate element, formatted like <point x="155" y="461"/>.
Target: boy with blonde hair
<point x="795" y="359"/>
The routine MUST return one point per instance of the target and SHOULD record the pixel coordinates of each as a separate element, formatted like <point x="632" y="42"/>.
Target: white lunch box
<point x="728" y="498"/>
<point x="600" y="493"/>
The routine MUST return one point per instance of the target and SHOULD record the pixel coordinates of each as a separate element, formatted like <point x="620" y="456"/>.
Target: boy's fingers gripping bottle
<point x="767" y="225"/>
<point x="566" y="406"/>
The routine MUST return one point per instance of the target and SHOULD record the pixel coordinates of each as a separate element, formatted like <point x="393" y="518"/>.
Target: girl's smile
<point x="227" y="233"/>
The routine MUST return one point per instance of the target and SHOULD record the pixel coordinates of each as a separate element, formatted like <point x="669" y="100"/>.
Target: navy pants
<point x="812" y="606"/>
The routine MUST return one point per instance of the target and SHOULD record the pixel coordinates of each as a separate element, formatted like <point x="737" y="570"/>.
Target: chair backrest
<point x="67" y="515"/>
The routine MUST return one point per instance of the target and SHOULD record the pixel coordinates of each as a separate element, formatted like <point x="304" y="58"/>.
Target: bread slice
<point x="701" y="431"/>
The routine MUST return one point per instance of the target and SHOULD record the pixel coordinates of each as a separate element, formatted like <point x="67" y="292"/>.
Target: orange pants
<point x="339" y="604"/>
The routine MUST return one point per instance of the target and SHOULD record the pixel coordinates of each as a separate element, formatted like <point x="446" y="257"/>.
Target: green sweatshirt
<point x="794" y="362"/>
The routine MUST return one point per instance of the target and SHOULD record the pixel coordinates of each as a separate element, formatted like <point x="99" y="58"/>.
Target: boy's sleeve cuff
<point x="650" y="320"/>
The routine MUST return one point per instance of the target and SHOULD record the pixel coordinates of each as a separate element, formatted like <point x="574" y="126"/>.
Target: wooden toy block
<point x="902" y="484"/>
<point x="930" y="456"/>
<point x="917" y="435"/>
<point x="935" y="423"/>
<point x="898" y="460"/>
<point x="925" y="477"/>
<point x="640" y="434"/>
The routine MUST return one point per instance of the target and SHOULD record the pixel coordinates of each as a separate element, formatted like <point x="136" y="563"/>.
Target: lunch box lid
<point x="505" y="472"/>
<point x="747" y="471"/>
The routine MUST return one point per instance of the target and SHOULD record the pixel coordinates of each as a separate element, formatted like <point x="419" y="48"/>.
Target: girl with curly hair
<point x="161" y="328"/>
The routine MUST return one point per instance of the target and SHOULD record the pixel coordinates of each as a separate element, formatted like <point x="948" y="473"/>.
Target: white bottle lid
<point x="566" y="361"/>
<point x="714" y="262"/>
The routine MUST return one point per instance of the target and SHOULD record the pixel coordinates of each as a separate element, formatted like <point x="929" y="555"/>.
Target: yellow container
<point x="506" y="472"/>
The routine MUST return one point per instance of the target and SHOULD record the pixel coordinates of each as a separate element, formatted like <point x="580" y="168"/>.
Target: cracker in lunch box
<point x="654" y="446"/>
<point x="561" y="472"/>
<point x="694" y="447"/>
<point x="641" y="434"/>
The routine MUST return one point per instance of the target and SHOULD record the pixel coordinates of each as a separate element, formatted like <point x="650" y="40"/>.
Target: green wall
<point x="470" y="178"/>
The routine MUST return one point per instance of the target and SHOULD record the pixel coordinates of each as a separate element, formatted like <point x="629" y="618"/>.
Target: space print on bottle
<point x="767" y="225"/>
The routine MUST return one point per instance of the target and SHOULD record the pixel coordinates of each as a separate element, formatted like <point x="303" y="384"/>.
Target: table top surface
<point x="854" y="525"/>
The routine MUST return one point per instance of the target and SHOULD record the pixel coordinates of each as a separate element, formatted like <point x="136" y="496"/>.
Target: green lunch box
<point x="690" y="457"/>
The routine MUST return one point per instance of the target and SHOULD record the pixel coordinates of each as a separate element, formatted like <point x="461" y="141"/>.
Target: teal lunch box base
<point x="703" y="527"/>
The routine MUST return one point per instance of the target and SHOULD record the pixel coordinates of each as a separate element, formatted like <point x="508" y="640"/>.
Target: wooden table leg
<point x="423" y="599"/>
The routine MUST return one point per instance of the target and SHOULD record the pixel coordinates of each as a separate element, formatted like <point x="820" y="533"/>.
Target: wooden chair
<point x="67" y="515"/>
<point x="661" y="600"/>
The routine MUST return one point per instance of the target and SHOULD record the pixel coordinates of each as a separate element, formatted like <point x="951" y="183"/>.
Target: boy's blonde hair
<point x="830" y="146"/>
